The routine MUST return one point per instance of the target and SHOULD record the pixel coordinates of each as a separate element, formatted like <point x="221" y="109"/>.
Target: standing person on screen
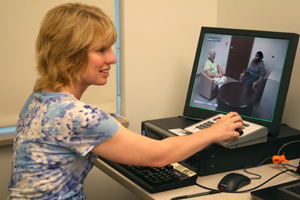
<point x="255" y="73"/>
<point x="58" y="137"/>
<point x="213" y="69"/>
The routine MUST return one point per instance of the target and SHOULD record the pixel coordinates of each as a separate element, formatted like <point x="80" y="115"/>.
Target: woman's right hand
<point x="225" y="128"/>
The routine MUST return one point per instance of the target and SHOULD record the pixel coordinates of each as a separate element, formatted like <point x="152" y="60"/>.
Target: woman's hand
<point x="256" y="84"/>
<point x="225" y="128"/>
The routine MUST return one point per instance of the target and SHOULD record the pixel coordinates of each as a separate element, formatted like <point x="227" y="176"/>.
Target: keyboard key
<point x="156" y="179"/>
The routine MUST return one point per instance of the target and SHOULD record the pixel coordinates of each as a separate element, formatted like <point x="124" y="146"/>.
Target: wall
<point x="271" y="16"/>
<point x="158" y="45"/>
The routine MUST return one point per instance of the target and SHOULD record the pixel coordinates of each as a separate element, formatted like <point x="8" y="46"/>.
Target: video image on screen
<point x="246" y="71"/>
<point x="238" y="58"/>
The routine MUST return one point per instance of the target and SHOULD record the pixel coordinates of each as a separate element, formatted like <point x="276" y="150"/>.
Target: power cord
<point x="259" y="176"/>
<point x="283" y="164"/>
<point x="286" y="145"/>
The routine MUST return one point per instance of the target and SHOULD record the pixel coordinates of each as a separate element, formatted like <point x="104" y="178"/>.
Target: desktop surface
<point x="210" y="181"/>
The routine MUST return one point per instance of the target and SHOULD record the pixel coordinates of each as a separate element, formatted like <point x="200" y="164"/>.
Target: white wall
<point x="159" y="40"/>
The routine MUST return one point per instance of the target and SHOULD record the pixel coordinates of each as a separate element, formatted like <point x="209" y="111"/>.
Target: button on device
<point x="240" y="132"/>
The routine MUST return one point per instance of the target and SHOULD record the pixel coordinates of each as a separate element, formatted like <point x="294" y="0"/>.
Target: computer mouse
<point x="233" y="182"/>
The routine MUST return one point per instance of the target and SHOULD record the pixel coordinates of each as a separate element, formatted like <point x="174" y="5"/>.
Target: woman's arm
<point x="211" y="75"/>
<point x="221" y="72"/>
<point x="262" y="71"/>
<point x="128" y="147"/>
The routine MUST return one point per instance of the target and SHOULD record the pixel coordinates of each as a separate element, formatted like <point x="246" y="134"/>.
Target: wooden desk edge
<point x="7" y="138"/>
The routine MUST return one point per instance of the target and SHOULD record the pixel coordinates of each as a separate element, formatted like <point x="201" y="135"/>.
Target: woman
<point x="58" y="137"/>
<point x="255" y="73"/>
<point x="213" y="69"/>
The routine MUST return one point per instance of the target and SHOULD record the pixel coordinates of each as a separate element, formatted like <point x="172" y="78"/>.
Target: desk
<point x="211" y="181"/>
<point x="235" y="96"/>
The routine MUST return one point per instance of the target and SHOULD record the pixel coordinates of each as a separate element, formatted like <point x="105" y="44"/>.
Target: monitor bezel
<point x="273" y="126"/>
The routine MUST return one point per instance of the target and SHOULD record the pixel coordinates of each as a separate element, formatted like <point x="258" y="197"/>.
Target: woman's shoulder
<point x="261" y="64"/>
<point x="208" y="64"/>
<point x="63" y="104"/>
<point x="63" y="101"/>
<point x="208" y="61"/>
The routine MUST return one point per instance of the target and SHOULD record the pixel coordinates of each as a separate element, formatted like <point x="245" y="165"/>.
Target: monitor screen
<point x="245" y="71"/>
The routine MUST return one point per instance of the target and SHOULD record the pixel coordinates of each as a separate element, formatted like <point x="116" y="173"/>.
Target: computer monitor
<point x="261" y="103"/>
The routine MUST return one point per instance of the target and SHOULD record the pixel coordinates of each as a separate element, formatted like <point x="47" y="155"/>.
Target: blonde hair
<point x="64" y="40"/>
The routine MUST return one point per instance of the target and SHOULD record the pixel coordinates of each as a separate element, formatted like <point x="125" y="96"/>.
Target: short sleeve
<point x="207" y="65"/>
<point x="91" y="127"/>
<point x="213" y="67"/>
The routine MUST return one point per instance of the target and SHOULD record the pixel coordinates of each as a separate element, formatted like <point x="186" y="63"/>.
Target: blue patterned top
<point x="52" y="144"/>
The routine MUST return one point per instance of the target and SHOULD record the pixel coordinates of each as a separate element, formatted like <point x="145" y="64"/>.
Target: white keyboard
<point x="251" y="133"/>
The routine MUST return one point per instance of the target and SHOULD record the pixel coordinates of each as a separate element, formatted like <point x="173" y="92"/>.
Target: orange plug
<point x="278" y="159"/>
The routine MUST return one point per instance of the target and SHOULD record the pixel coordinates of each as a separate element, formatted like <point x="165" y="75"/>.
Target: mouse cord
<point x="248" y="189"/>
<point x="295" y="173"/>
<point x="288" y="170"/>
<point x="286" y="145"/>
<point x="258" y="176"/>
<point x="283" y="164"/>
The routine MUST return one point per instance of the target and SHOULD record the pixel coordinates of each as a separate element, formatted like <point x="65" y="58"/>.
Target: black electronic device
<point x="157" y="179"/>
<point x="289" y="190"/>
<point x="233" y="182"/>
<point x="216" y="158"/>
<point x="235" y="49"/>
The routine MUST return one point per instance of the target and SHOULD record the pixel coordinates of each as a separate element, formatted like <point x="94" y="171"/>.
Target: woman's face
<point x="100" y="59"/>
<point x="213" y="56"/>
<point x="257" y="57"/>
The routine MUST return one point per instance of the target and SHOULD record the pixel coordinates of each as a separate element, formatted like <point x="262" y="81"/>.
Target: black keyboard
<point x="295" y="189"/>
<point x="157" y="179"/>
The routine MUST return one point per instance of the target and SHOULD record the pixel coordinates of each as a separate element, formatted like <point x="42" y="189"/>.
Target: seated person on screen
<point x="58" y="137"/>
<point x="255" y="72"/>
<point x="213" y="70"/>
